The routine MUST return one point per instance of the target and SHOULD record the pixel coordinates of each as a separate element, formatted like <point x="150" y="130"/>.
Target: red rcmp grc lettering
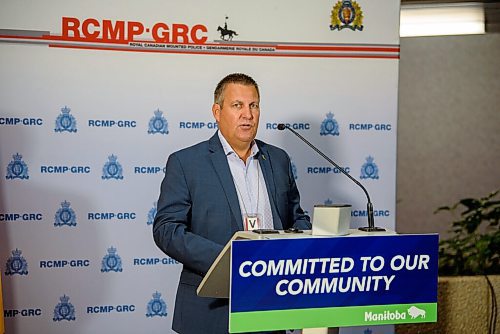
<point x="128" y="31"/>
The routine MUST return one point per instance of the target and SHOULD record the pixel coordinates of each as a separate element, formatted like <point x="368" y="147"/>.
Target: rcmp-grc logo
<point x="16" y="264"/>
<point x="65" y="215"/>
<point x="112" y="169"/>
<point x="111" y="262"/>
<point x="157" y="306"/>
<point x="17" y="168"/>
<point x="346" y="14"/>
<point x="64" y="310"/>
<point x="152" y="214"/>
<point x="369" y="170"/>
<point x="65" y="121"/>
<point x="158" y="124"/>
<point x="329" y="126"/>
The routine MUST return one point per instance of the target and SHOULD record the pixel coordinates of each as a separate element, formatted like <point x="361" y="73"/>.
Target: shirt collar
<point x="229" y="150"/>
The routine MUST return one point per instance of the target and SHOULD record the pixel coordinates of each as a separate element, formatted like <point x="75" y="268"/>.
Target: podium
<point x="298" y="281"/>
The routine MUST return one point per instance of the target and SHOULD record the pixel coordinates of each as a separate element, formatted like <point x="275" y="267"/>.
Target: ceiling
<point x="492" y="11"/>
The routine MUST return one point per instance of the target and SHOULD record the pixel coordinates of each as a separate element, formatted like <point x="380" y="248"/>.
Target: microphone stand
<point x="369" y="206"/>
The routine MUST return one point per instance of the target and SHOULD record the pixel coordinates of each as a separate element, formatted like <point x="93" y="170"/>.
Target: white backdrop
<point x="112" y="88"/>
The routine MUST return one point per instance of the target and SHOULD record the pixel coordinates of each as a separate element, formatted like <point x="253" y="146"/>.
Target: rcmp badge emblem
<point x="158" y="123"/>
<point x="346" y="14"/>
<point x="65" y="121"/>
<point x="369" y="170"/>
<point x="156" y="306"/>
<point x="112" y="169"/>
<point x="152" y="214"/>
<point x="64" y="310"/>
<point x="329" y="126"/>
<point x="16" y="264"/>
<point x="328" y="202"/>
<point x="17" y="168"/>
<point x="111" y="262"/>
<point x="65" y="215"/>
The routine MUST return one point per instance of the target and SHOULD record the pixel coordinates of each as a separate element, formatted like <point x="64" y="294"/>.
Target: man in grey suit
<point x="213" y="189"/>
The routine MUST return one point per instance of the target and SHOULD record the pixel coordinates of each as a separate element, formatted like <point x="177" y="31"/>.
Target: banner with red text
<point x="95" y="96"/>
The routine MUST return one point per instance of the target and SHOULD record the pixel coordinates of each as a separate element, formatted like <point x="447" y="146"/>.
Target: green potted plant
<point x="469" y="267"/>
<point x="469" y="270"/>
<point x="474" y="245"/>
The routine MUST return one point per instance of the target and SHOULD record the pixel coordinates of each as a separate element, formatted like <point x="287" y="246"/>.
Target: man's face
<point x="238" y="117"/>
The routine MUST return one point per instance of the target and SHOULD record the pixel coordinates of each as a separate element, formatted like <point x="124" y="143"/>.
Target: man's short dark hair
<point x="236" y="78"/>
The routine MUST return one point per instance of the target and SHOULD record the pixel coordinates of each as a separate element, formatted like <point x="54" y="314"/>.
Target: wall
<point x="448" y="126"/>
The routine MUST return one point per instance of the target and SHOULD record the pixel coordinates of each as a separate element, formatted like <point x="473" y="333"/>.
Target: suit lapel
<point x="219" y="162"/>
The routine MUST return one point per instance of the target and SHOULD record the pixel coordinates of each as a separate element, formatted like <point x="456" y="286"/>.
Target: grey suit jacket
<point x="198" y="212"/>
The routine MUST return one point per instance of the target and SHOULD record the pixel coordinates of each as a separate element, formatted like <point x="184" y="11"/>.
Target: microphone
<point x="369" y="206"/>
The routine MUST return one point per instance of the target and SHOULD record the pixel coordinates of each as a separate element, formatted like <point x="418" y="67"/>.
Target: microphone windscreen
<point x="281" y="126"/>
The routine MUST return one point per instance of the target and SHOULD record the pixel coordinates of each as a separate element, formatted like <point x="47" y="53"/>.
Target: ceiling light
<point x="441" y="19"/>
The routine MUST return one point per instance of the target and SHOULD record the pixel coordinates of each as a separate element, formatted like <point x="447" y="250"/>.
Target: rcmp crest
<point x="111" y="262"/>
<point x="16" y="264"/>
<point x="65" y="121"/>
<point x="152" y="214"/>
<point x="328" y="202"/>
<point x="329" y="126"/>
<point x="112" y="169"/>
<point x="369" y="170"/>
<point x="64" y="310"/>
<point x="158" y="123"/>
<point x="17" y="168"/>
<point x="156" y="306"/>
<point x="65" y="215"/>
<point x="346" y="14"/>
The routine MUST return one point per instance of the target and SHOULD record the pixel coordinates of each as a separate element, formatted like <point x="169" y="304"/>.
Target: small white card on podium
<point x="333" y="219"/>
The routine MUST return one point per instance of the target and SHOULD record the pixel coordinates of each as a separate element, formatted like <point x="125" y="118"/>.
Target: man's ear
<point x="216" y="111"/>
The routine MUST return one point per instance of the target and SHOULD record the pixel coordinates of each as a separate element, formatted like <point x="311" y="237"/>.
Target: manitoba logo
<point x="385" y="315"/>
<point x="64" y="310"/>
<point x="369" y="170"/>
<point x="65" y="121"/>
<point x="16" y="264"/>
<point x="415" y="312"/>
<point x="225" y="33"/>
<point x="156" y="306"/>
<point x="17" y="168"/>
<point x="111" y="262"/>
<point x="346" y="14"/>
<point x="112" y="169"/>
<point x="329" y="126"/>
<point x="65" y="215"/>
<point x="158" y="123"/>
<point x="152" y="214"/>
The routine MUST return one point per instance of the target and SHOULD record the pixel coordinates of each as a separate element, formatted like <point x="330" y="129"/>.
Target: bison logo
<point x="415" y="312"/>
